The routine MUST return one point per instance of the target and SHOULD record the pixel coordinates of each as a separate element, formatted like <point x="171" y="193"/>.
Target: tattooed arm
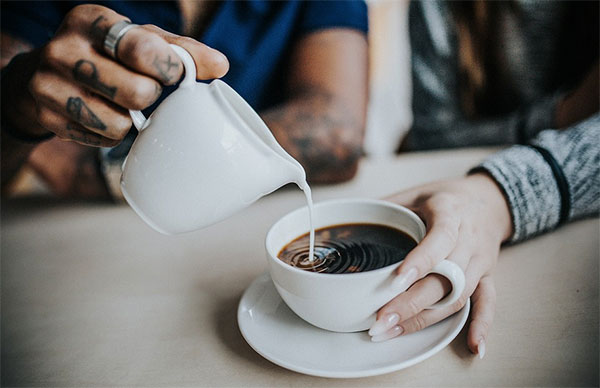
<point x="322" y="122"/>
<point x="71" y="88"/>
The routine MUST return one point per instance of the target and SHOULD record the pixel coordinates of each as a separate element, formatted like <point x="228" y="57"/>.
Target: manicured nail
<point x="405" y="280"/>
<point x="481" y="349"/>
<point x="383" y="324"/>
<point x="393" y="332"/>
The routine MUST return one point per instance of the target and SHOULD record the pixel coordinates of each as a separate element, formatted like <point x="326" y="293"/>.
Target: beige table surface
<point x="91" y="296"/>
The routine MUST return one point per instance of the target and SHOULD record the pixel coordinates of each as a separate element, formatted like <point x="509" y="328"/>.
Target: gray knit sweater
<point x="529" y="184"/>
<point x="533" y="40"/>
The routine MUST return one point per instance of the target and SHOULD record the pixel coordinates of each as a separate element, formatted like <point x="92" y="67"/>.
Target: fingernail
<point x="405" y="280"/>
<point x="383" y="324"/>
<point x="393" y="332"/>
<point x="481" y="349"/>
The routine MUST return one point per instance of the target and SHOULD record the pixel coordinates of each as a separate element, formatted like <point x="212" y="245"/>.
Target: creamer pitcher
<point x="201" y="156"/>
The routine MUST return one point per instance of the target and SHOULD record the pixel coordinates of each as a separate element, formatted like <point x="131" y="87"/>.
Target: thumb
<point x="210" y="63"/>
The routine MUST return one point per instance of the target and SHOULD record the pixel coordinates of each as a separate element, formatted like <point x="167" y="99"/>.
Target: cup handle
<point x="139" y="120"/>
<point x="451" y="271"/>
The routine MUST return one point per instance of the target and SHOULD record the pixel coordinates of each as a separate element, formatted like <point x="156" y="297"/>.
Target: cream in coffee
<point x="348" y="248"/>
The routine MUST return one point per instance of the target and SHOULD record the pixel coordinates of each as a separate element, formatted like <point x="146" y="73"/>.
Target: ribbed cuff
<point x="529" y="187"/>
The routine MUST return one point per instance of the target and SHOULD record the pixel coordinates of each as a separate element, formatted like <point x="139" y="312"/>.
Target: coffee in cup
<point x="349" y="248"/>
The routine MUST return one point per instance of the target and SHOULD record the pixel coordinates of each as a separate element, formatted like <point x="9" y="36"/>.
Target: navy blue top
<point x="256" y="36"/>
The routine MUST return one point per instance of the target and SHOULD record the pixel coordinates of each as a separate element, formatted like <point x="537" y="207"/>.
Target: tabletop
<point x="92" y="296"/>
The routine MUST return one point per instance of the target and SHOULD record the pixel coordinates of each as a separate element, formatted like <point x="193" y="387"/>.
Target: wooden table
<point x="91" y="296"/>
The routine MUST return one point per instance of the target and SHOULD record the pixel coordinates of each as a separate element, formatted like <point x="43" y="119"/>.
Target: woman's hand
<point x="72" y="88"/>
<point x="467" y="219"/>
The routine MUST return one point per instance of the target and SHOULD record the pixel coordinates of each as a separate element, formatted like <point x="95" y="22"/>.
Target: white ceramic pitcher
<point x="201" y="156"/>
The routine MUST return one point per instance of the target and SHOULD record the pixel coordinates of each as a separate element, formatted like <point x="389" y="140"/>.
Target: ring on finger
<point x="114" y="36"/>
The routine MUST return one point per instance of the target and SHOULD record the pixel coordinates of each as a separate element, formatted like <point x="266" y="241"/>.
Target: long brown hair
<point x="479" y="58"/>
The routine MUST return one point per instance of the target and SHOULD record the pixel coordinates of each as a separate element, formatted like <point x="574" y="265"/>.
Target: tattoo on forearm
<point x="164" y="67"/>
<point x="80" y="112"/>
<point x="86" y="73"/>
<point x="319" y="131"/>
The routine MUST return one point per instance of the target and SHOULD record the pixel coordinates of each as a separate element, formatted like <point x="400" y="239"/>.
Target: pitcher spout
<point x="287" y="171"/>
<point x="284" y="168"/>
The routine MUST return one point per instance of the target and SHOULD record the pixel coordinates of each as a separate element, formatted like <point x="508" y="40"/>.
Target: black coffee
<point x="349" y="248"/>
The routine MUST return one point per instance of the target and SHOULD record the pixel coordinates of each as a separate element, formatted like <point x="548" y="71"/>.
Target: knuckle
<point x="141" y="95"/>
<point x="121" y="126"/>
<point x="446" y="201"/>
<point x="482" y="324"/>
<point x="413" y="307"/>
<point x="143" y="48"/>
<point x="428" y="261"/>
<point x="37" y="85"/>
<point x="488" y="300"/>
<point x="186" y="40"/>
<point x="151" y="27"/>
<point x="163" y="34"/>
<point x="53" y="53"/>
<point x="419" y="322"/>
<point x="74" y="17"/>
<point x="45" y="118"/>
<point x="448" y="228"/>
<point x="460" y="302"/>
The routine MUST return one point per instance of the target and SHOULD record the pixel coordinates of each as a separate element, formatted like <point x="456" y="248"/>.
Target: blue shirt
<point x="256" y="36"/>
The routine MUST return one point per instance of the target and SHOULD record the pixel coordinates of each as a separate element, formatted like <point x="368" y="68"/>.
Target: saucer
<point x="280" y="336"/>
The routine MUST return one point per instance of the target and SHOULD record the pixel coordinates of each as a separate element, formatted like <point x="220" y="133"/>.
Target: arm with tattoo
<point x="322" y="122"/>
<point x="318" y="130"/>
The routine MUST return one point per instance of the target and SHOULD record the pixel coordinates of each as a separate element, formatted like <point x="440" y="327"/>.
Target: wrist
<point x="488" y="190"/>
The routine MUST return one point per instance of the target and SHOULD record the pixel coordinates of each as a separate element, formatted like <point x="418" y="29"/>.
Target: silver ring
<point x="114" y="35"/>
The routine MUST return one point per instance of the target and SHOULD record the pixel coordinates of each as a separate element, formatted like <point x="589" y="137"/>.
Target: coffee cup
<point x="346" y="302"/>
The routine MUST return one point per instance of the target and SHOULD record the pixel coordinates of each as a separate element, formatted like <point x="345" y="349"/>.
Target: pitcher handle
<point x="139" y="120"/>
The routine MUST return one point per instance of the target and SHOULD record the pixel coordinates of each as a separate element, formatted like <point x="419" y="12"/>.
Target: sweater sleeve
<point x="430" y="131"/>
<point x="529" y="185"/>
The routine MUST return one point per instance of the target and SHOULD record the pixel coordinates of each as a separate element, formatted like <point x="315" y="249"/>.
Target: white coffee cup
<point x="346" y="302"/>
<point x="202" y="155"/>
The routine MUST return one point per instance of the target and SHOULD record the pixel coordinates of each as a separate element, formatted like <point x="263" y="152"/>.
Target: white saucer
<point x="280" y="336"/>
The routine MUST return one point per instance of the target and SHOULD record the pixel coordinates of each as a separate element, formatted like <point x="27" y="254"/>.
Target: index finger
<point x="438" y="243"/>
<point x="210" y="63"/>
<point x="146" y="49"/>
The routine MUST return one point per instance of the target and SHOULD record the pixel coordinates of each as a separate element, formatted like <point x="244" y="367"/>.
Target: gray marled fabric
<point x="529" y="183"/>
<point x="537" y="40"/>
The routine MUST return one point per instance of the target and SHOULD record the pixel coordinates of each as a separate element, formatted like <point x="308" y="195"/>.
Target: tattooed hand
<point x="72" y="88"/>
